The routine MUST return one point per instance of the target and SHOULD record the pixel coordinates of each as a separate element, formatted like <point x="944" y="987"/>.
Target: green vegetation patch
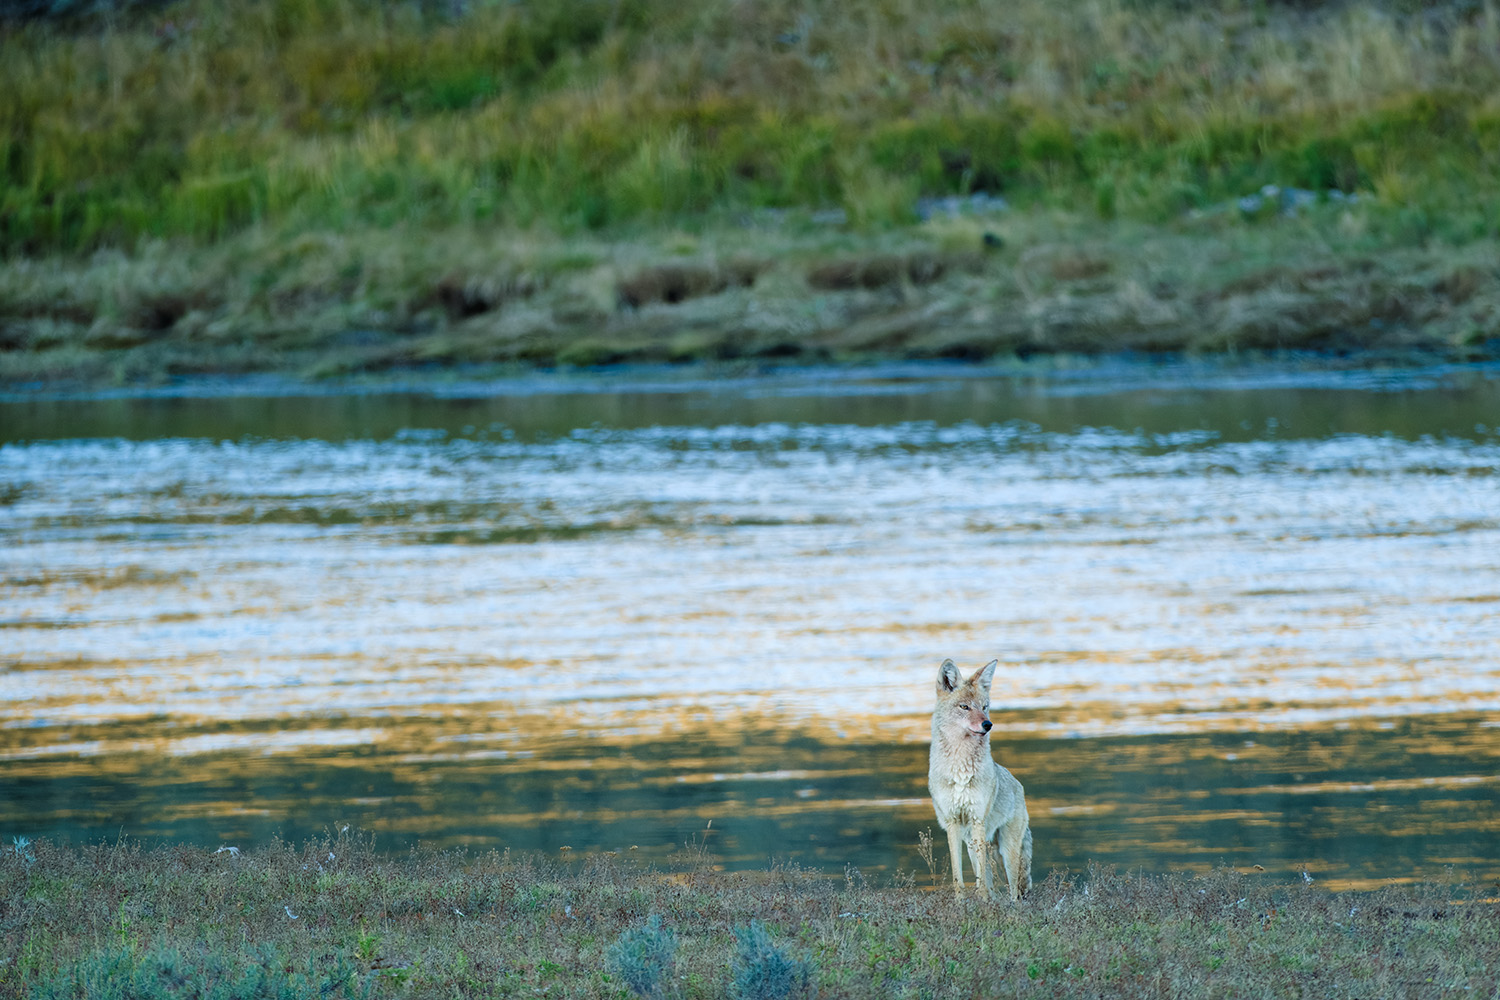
<point x="201" y="119"/>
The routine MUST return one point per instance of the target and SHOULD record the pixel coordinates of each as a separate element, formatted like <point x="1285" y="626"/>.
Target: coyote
<point x="977" y="801"/>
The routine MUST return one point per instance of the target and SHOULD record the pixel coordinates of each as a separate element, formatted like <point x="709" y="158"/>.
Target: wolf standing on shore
<point x="977" y="801"/>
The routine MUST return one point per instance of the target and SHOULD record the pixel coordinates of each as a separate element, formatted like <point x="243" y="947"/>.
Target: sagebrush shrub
<point x="763" y="971"/>
<point x="646" y="958"/>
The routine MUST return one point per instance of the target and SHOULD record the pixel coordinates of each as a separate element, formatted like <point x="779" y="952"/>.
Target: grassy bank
<point x="317" y="186"/>
<point x="335" y="919"/>
<point x="330" y="304"/>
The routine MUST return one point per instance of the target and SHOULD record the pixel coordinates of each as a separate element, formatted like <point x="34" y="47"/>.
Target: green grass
<point x="333" y="918"/>
<point x="323" y="186"/>
<point x="200" y="118"/>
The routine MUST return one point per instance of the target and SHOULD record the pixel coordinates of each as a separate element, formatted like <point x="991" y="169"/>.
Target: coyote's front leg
<point x="956" y="851"/>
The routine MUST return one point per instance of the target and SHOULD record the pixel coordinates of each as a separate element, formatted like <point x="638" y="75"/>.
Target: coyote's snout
<point x="977" y="801"/>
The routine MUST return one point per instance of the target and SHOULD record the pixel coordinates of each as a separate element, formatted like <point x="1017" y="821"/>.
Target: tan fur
<point x="978" y="802"/>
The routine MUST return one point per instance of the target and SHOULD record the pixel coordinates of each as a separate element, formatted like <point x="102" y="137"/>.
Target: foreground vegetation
<point x="319" y="186"/>
<point x="336" y="919"/>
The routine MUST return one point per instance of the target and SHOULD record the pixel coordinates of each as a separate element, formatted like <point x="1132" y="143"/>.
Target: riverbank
<point x="960" y="286"/>
<point x="334" y="918"/>
<point x="329" y="187"/>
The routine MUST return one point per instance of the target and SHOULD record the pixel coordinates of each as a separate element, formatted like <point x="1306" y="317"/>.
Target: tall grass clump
<point x="199" y="119"/>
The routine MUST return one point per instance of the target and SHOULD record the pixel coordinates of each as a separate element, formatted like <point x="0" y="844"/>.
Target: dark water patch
<point x="41" y="623"/>
<point x="389" y="523"/>
<point x="1235" y="404"/>
<point x="123" y="576"/>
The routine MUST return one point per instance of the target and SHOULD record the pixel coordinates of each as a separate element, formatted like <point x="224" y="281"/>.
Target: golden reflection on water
<point x="773" y="788"/>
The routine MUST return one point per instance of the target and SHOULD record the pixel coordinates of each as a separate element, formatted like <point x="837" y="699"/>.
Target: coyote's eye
<point x="965" y="707"/>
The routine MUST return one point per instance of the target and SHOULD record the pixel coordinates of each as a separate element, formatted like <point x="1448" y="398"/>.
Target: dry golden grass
<point x="377" y="300"/>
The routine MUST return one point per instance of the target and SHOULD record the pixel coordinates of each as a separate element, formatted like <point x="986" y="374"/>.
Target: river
<point x="1243" y="614"/>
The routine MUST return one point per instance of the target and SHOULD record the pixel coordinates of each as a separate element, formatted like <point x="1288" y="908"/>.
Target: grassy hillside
<point x="200" y="118"/>
<point x="396" y="168"/>
<point x="333" y="919"/>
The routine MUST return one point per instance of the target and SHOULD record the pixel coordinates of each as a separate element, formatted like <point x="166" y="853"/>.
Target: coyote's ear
<point x="983" y="678"/>
<point x="948" y="678"/>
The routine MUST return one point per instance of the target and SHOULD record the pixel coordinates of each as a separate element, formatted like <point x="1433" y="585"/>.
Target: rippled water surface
<point x="1241" y="616"/>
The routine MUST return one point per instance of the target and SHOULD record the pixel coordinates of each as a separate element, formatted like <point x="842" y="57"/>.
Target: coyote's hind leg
<point x="1015" y="852"/>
